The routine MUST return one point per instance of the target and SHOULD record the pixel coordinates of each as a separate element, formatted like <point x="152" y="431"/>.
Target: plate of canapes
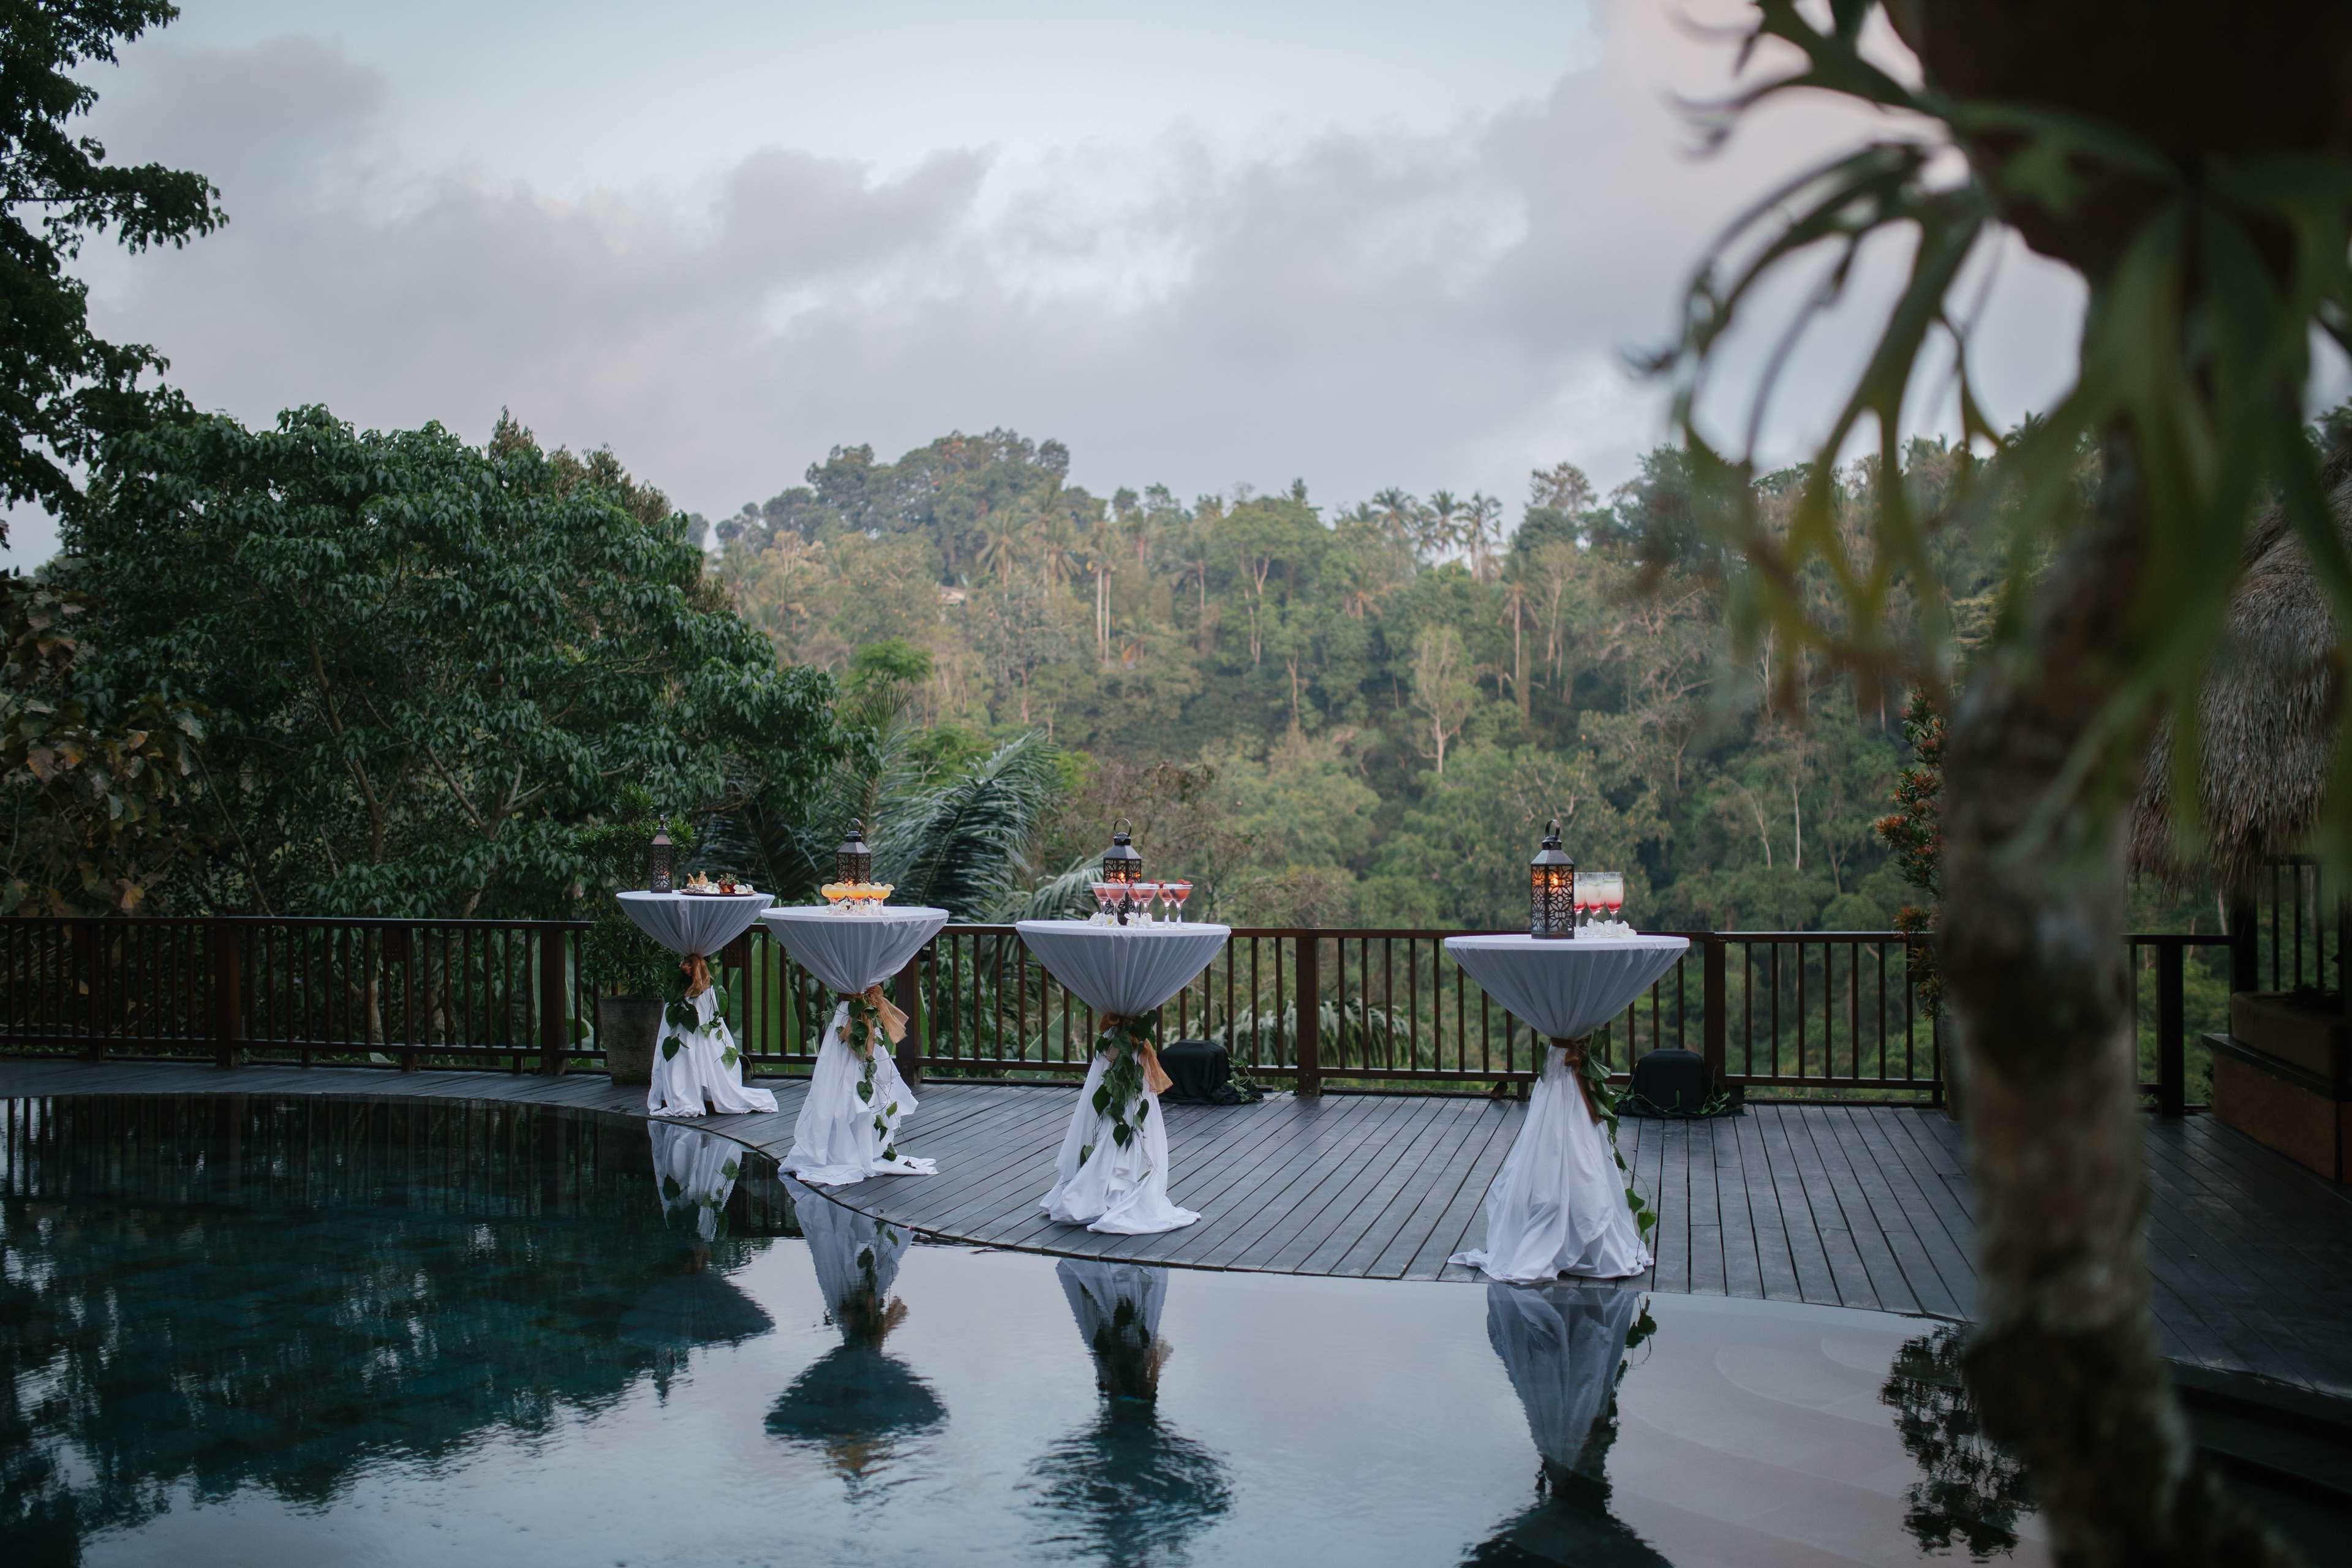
<point x="705" y="886"/>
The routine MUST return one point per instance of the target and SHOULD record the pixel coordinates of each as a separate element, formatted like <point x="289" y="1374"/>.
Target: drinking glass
<point x="1146" y="895"/>
<point x="1580" y="898"/>
<point x="1612" y="892"/>
<point x="1176" y="893"/>
<point x="1103" y="891"/>
<point x="833" y="893"/>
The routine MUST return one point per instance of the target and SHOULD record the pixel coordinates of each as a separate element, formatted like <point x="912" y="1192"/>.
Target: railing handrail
<point x="199" y="922"/>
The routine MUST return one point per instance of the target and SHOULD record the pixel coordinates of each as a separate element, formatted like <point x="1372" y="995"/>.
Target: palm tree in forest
<point x="1482" y="525"/>
<point x="1440" y="525"/>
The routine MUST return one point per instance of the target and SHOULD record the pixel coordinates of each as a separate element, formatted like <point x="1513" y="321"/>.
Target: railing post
<point x="1309" y="1056"/>
<point x="2245" y="953"/>
<point x="228" y="1000"/>
<point x="909" y="985"/>
<point x="2171" y="1031"/>
<point x="84" y="964"/>
<point x="1715" y="1028"/>
<point x="554" y="1047"/>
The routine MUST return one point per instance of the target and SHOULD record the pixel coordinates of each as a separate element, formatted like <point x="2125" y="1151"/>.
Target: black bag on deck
<point x="1669" y="1082"/>
<point x="1200" y="1073"/>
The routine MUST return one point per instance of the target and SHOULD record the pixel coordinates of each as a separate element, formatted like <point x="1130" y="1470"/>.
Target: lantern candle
<point x="657" y="863"/>
<point x="1552" y="889"/>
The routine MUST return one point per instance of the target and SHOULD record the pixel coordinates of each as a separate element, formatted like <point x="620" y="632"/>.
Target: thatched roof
<point x="2269" y="712"/>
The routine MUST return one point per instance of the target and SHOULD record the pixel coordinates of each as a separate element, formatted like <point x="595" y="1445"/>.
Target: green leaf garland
<point x="1604" y="1100"/>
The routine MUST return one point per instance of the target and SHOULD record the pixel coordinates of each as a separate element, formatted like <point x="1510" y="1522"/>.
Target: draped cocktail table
<point x="697" y="1062"/>
<point x="1558" y="1207"/>
<point x="848" y="1125"/>
<point x="1112" y="1173"/>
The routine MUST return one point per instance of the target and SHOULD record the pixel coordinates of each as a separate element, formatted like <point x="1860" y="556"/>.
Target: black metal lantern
<point x="853" y="861"/>
<point x="657" y="863"/>
<point x="1552" y="887"/>
<point x="1122" y="863"/>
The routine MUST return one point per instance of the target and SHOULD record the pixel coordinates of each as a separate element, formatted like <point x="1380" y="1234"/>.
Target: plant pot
<point x="628" y="1027"/>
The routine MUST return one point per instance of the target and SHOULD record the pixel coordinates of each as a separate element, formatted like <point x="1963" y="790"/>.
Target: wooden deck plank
<point x="1890" y="1254"/>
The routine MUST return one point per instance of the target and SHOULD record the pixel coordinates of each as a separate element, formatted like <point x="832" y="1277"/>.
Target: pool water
<point x="252" y="1331"/>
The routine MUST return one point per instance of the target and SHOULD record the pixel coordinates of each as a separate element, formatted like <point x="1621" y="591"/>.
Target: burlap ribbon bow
<point x="1155" y="1079"/>
<point x="894" y="1021"/>
<point x="1574" y="1051"/>
<point x="698" y="975"/>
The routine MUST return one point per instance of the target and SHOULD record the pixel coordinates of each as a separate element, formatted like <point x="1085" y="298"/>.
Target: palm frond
<point x="1061" y="896"/>
<point x="963" y="844"/>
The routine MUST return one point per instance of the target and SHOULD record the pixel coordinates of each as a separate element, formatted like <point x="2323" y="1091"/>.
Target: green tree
<point x="63" y="389"/>
<point x="98" y="795"/>
<point x="1441" y="690"/>
<point x="2204" y="198"/>
<point x="431" y="666"/>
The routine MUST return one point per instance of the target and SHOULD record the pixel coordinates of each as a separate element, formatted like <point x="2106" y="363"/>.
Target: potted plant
<point x="628" y="973"/>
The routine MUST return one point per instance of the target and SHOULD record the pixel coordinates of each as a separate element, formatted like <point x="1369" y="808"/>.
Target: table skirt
<point x="840" y="1139"/>
<point x="1106" y="1188"/>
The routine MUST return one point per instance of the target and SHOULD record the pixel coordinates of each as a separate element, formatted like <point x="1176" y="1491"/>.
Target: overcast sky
<point x="1361" y="243"/>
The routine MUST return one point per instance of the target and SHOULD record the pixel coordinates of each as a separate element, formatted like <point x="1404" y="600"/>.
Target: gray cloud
<point x="1359" y="306"/>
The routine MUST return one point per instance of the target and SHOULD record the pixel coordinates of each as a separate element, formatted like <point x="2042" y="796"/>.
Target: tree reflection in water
<point x="1564" y="1348"/>
<point x="856" y="1403"/>
<point x="1125" y="1488"/>
<point x="1971" y="1491"/>
<point x="286" y="1294"/>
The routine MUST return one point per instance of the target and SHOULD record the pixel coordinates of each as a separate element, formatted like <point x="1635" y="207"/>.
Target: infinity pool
<point x="259" y="1331"/>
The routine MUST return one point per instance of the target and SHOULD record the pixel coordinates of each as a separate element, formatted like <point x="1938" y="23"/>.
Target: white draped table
<point x="848" y="1125"/>
<point x="1120" y="971"/>
<point x="1558" y="1207"/>
<point x="698" y="1063"/>
<point x="695" y="1174"/>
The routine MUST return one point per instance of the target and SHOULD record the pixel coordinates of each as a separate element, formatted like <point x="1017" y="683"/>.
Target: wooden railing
<point x="235" y="988"/>
<point x="1821" y="1013"/>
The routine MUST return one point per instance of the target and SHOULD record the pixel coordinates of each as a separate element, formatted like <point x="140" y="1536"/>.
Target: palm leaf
<point x="963" y="844"/>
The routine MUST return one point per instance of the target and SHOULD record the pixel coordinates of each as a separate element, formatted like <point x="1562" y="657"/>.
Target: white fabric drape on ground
<point x="834" y="1140"/>
<point x="699" y="1074"/>
<point x="1558" y="1205"/>
<point x="694" y="1171"/>
<point x="1561" y="1347"/>
<point x="1127" y="972"/>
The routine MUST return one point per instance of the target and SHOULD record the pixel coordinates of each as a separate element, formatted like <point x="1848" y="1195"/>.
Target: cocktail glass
<point x="1612" y="892"/>
<point x="1103" y="891"/>
<point x="1146" y="895"/>
<point x="833" y="893"/>
<point x="1175" y="893"/>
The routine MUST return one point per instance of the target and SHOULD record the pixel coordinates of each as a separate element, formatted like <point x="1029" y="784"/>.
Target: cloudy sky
<point x="1203" y="244"/>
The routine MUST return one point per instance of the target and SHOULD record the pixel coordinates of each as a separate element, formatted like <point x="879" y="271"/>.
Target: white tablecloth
<point x="1561" y="1348"/>
<point x="699" y="1071"/>
<point x="1127" y="971"/>
<point x="840" y="1137"/>
<point x="1558" y="1207"/>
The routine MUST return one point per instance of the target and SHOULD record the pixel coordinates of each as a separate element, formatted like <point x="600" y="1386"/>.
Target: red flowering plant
<point x="1913" y="830"/>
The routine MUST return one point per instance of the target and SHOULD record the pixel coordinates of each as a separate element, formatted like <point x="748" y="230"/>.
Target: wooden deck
<point x="1849" y="1206"/>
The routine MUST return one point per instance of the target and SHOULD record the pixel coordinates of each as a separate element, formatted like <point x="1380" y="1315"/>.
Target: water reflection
<point x="856" y="1403"/>
<point x="1564" y="1348"/>
<point x="1970" y="1492"/>
<point x="695" y="1174"/>
<point x="1126" y="1488"/>
<point x="221" y="1293"/>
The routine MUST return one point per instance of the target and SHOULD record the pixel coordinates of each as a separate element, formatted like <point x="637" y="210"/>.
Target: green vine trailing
<point x="681" y="1016"/>
<point x="1122" y="1084"/>
<point x="864" y="1033"/>
<point x="1604" y="1100"/>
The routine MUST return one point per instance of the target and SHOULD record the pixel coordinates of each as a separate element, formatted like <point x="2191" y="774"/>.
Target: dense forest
<point x="1349" y="715"/>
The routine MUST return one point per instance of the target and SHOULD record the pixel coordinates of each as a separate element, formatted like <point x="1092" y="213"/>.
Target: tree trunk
<point x="2065" y="1362"/>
